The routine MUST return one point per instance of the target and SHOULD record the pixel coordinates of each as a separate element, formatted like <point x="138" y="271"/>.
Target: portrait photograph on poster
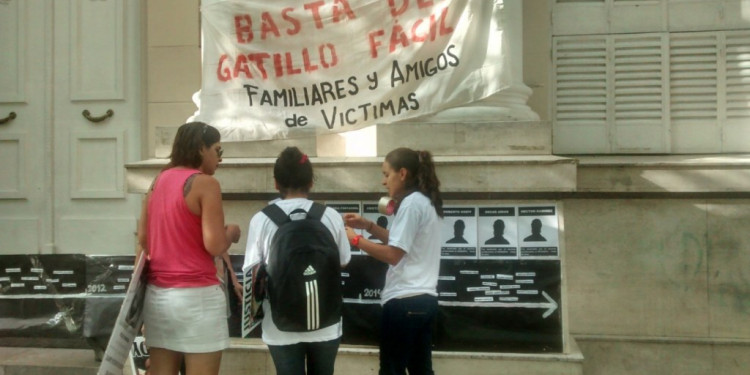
<point x="459" y="233"/>
<point x="497" y="233"/>
<point x="537" y="231"/>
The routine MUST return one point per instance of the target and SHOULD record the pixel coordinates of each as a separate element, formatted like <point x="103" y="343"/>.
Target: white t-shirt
<point x="416" y="231"/>
<point x="259" y="234"/>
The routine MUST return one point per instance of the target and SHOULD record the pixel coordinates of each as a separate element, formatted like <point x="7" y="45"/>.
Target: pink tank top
<point x="177" y="257"/>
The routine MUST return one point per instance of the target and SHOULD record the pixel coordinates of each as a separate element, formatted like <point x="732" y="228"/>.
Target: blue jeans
<point x="406" y="335"/>
<point x="291" y="359"/>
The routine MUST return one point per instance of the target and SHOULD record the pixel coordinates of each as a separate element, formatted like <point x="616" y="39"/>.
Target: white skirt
<point x="188" y="320"/>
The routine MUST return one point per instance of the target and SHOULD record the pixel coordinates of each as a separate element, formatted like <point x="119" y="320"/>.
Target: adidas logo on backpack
<point x="304" y="271"/>
<point x="309" y="271"/>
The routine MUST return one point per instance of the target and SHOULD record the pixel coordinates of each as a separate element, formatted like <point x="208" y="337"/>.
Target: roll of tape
<point x="386" y="206"/>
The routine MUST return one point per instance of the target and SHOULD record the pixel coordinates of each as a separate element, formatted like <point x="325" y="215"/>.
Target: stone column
<point x="509" y="104"/>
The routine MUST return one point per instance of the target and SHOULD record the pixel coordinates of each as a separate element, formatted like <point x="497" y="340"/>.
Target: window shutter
<point x="735" y="14"/>
<point x="576" y="17"/>
<point x="567" y="17"/>
<point x="640" y="124"/>
<point x="651" y="76"/>
<point x="693" y="87"/>
<point x="695" y="15"/>
<point x="736" y="89"/>
<point x="637" y="16"/>
<point x="580" y="95"/>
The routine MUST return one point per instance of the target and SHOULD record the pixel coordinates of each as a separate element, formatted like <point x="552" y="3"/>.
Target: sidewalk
<point x="44" y="361"/>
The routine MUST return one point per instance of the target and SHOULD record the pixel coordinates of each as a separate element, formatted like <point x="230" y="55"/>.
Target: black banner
<point x="492" y="305"/>
<point x="485" y="305"/>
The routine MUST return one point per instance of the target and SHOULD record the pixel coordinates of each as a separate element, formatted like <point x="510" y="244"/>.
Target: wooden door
<point x="70" y="75"/>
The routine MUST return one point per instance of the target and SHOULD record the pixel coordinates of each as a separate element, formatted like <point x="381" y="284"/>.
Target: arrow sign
<point x="362" y="301"/>
<point x="550" y="305"/>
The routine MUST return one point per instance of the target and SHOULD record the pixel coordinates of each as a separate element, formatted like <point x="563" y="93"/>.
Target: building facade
<point x="641" y="137"/>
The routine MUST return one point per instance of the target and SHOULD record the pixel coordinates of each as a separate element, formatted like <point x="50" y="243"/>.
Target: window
<point x="621" y="87"/>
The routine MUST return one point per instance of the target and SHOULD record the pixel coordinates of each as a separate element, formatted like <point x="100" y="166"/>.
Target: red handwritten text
<point x="258" y="65"/>
<point x="290" y="20"/>
<point x="422" y="30"/>
<point x="399" y="10"/>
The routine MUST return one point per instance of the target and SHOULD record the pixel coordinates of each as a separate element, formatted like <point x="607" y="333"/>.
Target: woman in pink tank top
<point x="182" y="230"/>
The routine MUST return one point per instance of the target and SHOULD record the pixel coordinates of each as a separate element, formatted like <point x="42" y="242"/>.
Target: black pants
<point x="318" y="357"/>
<point x="406" y="335"/>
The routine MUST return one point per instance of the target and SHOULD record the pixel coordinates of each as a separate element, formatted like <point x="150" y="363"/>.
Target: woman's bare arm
<point x="216" y="236"/>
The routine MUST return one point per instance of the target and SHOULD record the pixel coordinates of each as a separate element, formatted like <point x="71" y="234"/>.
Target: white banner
<point x="285" y="68"/>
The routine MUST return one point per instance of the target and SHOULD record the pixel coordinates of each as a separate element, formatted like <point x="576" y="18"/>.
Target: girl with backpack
<point x="313" y="347"/>
<point x="412" y="250"/>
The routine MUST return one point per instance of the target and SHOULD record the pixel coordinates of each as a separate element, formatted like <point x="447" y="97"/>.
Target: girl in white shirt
<point x="292" y="352"/>
<point x="412" y="249"/>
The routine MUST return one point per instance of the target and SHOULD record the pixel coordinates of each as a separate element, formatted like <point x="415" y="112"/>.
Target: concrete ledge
<point x="41" y="361"/>
<point x="664" y="340"/>
<point x="664" y="355"/>
<point x="454" y="138"/>
<point x="250" y="356"/>
<point x="441" y="138"/>
<point x="666" y="173"/>
<point x="532" y="173"/>
<point x="473" y="138"/>
<point x="520" y="174"/>
<point x="249" y="149"/>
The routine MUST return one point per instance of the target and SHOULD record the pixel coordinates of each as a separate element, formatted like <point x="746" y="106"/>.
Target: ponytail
<point x="421" y="173"/>
<point x="428" y="182"/>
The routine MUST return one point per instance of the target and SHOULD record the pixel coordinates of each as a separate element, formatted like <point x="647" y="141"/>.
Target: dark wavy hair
<point x="293" y="171"/>
<point x="420" y="173"/>
<point x="187" y="144"/>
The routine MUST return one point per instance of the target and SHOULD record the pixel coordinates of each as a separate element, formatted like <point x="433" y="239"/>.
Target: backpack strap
<point x="276" y="214"/>
<point x="316" y="211"/>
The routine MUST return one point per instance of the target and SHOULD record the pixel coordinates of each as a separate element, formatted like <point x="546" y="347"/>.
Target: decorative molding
<point x="96" y="165"/>
<point x="99" y="234"/>
<point x="13" y="167"/>
<point x="20" y="234"/>
<point x="13" y="58"/>
<point x="97" y="60"/>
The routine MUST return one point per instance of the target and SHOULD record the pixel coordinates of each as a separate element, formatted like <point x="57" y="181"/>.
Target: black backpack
<point x="304" y="271"/>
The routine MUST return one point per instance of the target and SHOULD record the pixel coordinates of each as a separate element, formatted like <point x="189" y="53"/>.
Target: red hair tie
<point x="303" y="159"/>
